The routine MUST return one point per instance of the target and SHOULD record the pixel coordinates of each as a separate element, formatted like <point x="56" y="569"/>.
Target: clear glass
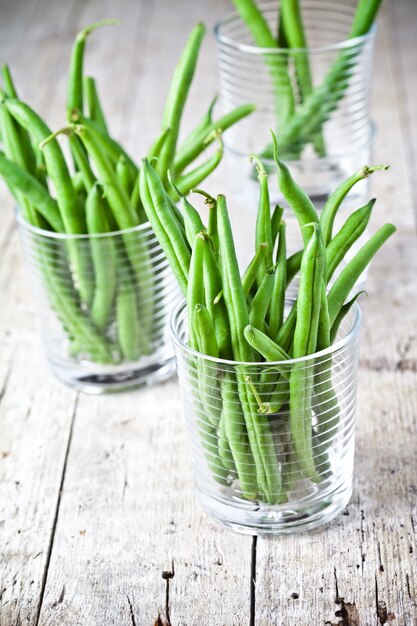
<point x="334" y="137"/>
<point x="272" y="444"/>
<point x="103" y="303"/>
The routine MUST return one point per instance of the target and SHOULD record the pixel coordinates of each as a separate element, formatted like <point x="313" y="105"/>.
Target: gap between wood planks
<point x="55" y="521"/>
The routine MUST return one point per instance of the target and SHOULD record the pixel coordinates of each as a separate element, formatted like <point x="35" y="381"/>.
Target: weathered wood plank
<point x="128" y="514"/>
<point x="35" y="419"/>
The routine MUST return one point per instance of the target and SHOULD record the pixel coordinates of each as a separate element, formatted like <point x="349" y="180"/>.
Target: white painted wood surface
<point x="98" y="522"/>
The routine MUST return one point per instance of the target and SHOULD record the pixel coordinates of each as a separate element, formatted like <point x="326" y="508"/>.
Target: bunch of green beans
<point x="241" y="320"/>
<point x="302" y="108"/>
<point x="95" y="192"/>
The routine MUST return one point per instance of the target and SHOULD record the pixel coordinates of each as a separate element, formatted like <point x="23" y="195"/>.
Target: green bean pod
<point x="195" y="288"/>
<point x="263" y="229"/>
<point x="75" y="79"/>
<point x="292" y="24"/>
<point x="347" y="278"/>
<point x="350" y="232"/>
<point x="217" y="307"/>
<point x="104" y="259"/>
<point x="209" y="381"/>
<point x="177" y="96"/>
<point x="237" y="436"/>
<point x="251" y="272"/>
<point x="261" y="301"/>
<point x="201" y="127"/>
<point x="191" y="179"/>
<point x="305" y="339"/>
<point x="123" y="175"/>
<point x="194" y="148"/>
<point x="334" y="201"/>
<point x="30" y="188"/>
<point x="94" y="108"/>
<point x="276" y="219"/>
<point x="296" y="197"/>
<point x="277" y="304"/>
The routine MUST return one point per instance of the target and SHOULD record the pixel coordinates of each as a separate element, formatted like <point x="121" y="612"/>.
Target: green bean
<point x="26" y="149"/>
<point x="286" y="332"/>
<point x="293" y="265"/>
<point x="263" y="230"/>
<point x="195" y="288"/>
<point x="323" y="100"/>
<point x="190" y="218"/>
<point x="212" y="230"/>
<point x="350" y="232"/>
<point x="261" y="33"/>
<point x="216" y="308"/>
<point x="209" y="382"/>
<point x="233" y="293"/>
<point x="177" y="96"/>
<point x="225" y="452"/>
<point x="295" y="196"/>
<point x="295" y="36"/>
<point x="204" y="329"/>
<point x="277" y="304"/>
<point x="81" y="161"/>
<point x="274" y="389"/>
<point x="251" y="271"/>
<point x="191" y="179"/>
<point x="276" y="219"/>
<point x="201" y="127"/>
<point x="342" y="314"/>
<point x="261" y="301"/>
<point x="117" y="197"/>
<point x="8" y="84"/>
<point x="104" y="260"/>
<point x="75" y="80"/>
<point x="261" y="441"/>
<point x="334" y="201"/>
<point x="156" y="147"/>
<point x="309" y="296"/>
<point x="266" y="347"/>
<point x="194" y="148"/>
<point x="14" y="150"/>
<point x="71" y="211"/>
<point x="165" y="226"/>
<point x="95" y="110"/>
<point x="365" y="13"/>
<point x="336" y="249"/>
<point x="136" y="203"/>
<point x="323" y="330"/>
<point x="305" y="339"/>
<point x="237" y="437"/>
<point x="123" y="175"/>
<point x="30" y="188"/>
<point x="129" y="329"/>
<point x="347" y="278"/>
<point x="109" y="146"/>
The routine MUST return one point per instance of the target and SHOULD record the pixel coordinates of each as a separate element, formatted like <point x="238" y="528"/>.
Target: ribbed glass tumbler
<point x="272" y="444"/>
<point x="103" y="303"/>
<point x="316" y="99"/>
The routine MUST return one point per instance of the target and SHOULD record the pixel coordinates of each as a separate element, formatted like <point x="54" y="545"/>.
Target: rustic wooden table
<point x="98" y="521"/>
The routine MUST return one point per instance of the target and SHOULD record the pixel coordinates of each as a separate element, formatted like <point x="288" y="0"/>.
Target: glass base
<point x="252" y="518"/>
<point x="96" y="380"/>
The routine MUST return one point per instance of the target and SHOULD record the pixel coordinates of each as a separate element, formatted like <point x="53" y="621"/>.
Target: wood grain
<point x="98" y="519"/>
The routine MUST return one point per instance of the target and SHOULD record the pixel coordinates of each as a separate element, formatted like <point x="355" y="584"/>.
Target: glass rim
<point x="51" y="234"/>
<point x="350" y="336"/>
<point x="221" y="38"/>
